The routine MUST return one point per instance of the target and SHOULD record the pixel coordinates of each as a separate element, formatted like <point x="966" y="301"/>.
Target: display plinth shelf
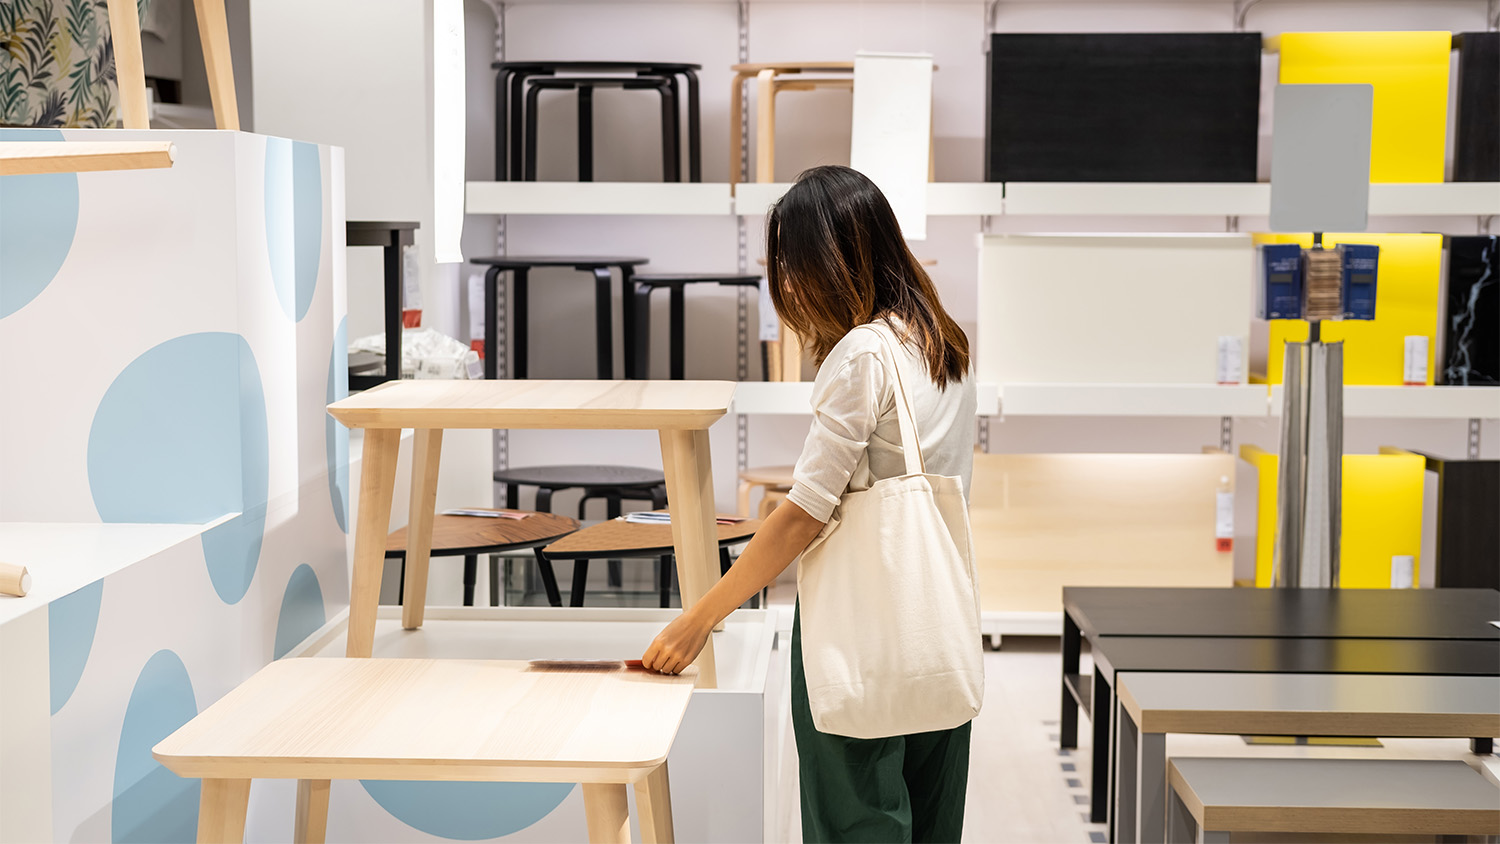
<point x="19" y="158"/>
<point x="1376" y="402"/>
<point x="660" y="198"/>
<point x="1238" y="400"/>
<point x="793" y="398"/>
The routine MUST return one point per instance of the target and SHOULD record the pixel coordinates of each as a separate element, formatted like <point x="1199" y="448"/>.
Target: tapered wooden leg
<point x="221" y="811"/>
<point x="377" y="483"/>
<point x="690" y="496"/>
<point x="608" y="813"/>
<point x="312" y="812"/>
<point x="653" y="806"/>
<point x="213" y="32"/>
<point x="424" y="476"/>
<point x="130" y="66"/>
<point x="773" y="360"/>
<point x="791" y="355"/>
<point x="765" y="126"/>
<point x="743" y="510"/>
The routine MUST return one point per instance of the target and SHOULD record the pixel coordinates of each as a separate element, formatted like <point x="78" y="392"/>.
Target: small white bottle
<point x="1224" y="516"/>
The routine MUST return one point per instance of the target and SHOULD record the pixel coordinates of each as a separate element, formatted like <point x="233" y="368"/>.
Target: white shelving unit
<point x="972" y="199"/>
<point x="794" y="398"/>
<point x="1188" y="400"/>
<point x="1368" y="402"/>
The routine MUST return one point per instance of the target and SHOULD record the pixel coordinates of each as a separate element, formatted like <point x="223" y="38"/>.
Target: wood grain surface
<point x="459" y="534"/>
<point x="626" y="405"/>
<point x="423" y="719"/>
<point x="618" y="536"/>
<point x="28" y="157"/>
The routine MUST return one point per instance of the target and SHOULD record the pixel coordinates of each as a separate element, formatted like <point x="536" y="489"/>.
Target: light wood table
<point x="1412" y="798"/>
<point x="321" y="719"/>
<point x="681" y="411"/>
<point x="1150" y="705"/>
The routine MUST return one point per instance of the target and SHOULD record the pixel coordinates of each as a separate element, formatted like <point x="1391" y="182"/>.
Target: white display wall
<point x="169" y="340"/>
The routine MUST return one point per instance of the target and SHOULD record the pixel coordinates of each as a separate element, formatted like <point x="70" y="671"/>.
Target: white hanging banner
<point x="448" y="129"/>
<point x="891" y="140"/>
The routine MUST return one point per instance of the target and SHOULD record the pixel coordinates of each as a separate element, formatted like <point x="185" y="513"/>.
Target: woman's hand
<point x="679" y="644"/>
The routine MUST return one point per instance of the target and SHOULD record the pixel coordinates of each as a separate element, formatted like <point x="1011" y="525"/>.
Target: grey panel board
<point x="1320" y="158"/>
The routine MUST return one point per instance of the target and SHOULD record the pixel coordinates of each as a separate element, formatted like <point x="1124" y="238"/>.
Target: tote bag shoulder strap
<point x="911" y="444"/>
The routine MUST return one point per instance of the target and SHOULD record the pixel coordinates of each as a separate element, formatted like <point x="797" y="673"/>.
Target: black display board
<point x="1476" y="147"/>
<point x="1178" y="107"/>
<point x="1471" y="319"/>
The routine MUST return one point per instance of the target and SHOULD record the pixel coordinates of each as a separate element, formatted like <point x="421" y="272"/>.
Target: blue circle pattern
<point x="336" y="436"/>
<point x="301" y="613"/>
<point x="294" y="222"/>
<point x="181" y="437"/>
<point x="468" y="811"/>
<point x="152" y="804"/>
<point x="38" y="219"/>
<point x="71" y="622"/>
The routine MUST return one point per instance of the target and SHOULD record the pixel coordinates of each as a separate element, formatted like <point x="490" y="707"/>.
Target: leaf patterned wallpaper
<point x="57" y="63"/>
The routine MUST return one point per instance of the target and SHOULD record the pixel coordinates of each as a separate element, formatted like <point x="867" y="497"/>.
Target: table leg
<point x="471" y="574"/>
<point x="1151" y="786"/>
<point x="765" y="126"/>
<point x="608" y="812"/>
<point x="491" y="326"/>
<point x="377" y="483"/>
<point x="695" y="133"/>
<point x="603" y="335"/>
<point x="221" y="811"/>
<point x="690" y="496"/>
<point x="791" y="355"/>
<point x="495" y="580"/>
<point x="653" y="805"/>
<point x="585" y="133"/>
<point x="549" y="578"/>
<point x="677" y="321"/>
<point x="1072" y="647"/>
<point x="1099" y="790"/>
<point x="520" y="322"/>
<point x="580" y="583"/>
<point x="1123" y="771"/>
<point x="743" y="511"/>
<point x="671" y="131"/>
<point x="426" y="456"/>
<point x="502" y="80"/>
<point x="664" y="580"/>
<point x="395" y="290"/>
<point x="312" y="812"/>
<point x="627" y="321"/>
<point x="532" y="96"/>
<point x="641" y="316"/>
<point x="1181" y="827"/>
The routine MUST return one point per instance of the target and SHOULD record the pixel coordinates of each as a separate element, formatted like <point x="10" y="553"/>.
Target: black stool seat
<point x="594" y="65"/>
<point x="645" y="285"/>
<point x="519" y="266"/>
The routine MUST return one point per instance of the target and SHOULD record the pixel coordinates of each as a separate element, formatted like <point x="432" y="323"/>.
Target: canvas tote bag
<point x="890" y="612"/>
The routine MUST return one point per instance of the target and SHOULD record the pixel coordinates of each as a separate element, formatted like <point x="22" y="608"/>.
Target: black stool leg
<point x="667" y="158"/>
<point x="664" y="579"/>
<point x="491" y="329"/>
<point x="494" y="580"/>
<point x="502" y="81"/>
<point x="724" y="561"/>
<point x="520" y="324"/>
<point x="580" y="581"/>
<point x="658" y="497"/>
<point x="471" y="573"/>
<point x="627" y="317"/>
<point x="532" y="96"/>
<point x="512" y="497"/>
<point x="695" y="135"/>
<point x="585" y="133"/>
<point x="615" y="573"/>
<point x="517" y="125"/>
<point x="544" y="499"/>
<point x="676" y="123"/>
<point x="549" y="578"/>
<point x="678" y="323"/>
<point x="603" y="336"/>
<point x="401" y="584"/>
<point x="642" y="333"/>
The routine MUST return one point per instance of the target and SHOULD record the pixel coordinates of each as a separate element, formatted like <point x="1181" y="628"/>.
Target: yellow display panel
<point x="1406" y="303"/>
<point x="1382" y="516"/>
<point x="1409" y="71"/>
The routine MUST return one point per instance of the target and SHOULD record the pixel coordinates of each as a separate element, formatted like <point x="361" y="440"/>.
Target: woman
<point x="836" y="261"/>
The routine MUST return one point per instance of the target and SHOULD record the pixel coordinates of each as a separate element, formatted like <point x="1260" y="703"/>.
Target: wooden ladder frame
<point x="130" y="68"/>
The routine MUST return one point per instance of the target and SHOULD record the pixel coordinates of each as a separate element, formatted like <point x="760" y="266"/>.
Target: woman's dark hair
<point x="835" y="259"/>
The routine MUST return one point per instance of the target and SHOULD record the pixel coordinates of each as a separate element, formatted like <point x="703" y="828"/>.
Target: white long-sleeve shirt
<point x="855" y="438"/>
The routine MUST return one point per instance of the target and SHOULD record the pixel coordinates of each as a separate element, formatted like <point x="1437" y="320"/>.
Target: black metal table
<point x="520" y="266"/>
<point x="1160" y="615"/>
<point x="391" y="237"/>
<point x="648" y="283"/>
<point x="511" y="121"/>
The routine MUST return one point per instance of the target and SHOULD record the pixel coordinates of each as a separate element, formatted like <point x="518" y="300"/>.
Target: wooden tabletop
<point x="774" y="475"/>
<point x="452" y="535"/>
<point x="1390" y="796"/>
<point x="619" y="537"/>
<point x="1240" y="655"/>
<point x="629" y="405"/>
<point x="32" y="157"/>
<point x="1312" y="704"/>
<point x="1293" y="613"/>
<point x="793" y="67"/>
<point x="425" y="719"/>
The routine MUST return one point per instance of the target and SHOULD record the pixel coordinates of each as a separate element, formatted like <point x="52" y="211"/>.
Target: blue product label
<point x="1281" y="291"/>
<point x="1361" y="266"/>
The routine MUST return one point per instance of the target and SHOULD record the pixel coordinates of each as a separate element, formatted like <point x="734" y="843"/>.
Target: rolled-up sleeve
<point x="846" y="407"/>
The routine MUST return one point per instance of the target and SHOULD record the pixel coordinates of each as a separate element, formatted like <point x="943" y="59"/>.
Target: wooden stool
<point x="471" y="536"/>
<point x="619" y="538"/>
<point x="648" y="283"/>
<point x="1210" y="798"/>
<point x="777" y="481"/>
<point x="770" y="81"/>
<point x="321" y="719"/>
<point x="664" y="86"/>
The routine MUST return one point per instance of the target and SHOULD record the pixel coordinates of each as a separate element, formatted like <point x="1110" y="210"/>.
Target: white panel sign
<point x="892" y="133"/>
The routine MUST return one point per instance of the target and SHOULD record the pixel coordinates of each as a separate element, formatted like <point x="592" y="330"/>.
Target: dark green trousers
<point x="891" y="790"/>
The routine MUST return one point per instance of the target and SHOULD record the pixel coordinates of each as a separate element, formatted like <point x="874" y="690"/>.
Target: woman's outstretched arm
<point x="785" y="534"/>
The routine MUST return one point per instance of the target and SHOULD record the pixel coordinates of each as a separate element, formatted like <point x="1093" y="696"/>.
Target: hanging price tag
<point x="411" y="292"/>
<point x="770" y="324"/>
<point x="476" y="313"/>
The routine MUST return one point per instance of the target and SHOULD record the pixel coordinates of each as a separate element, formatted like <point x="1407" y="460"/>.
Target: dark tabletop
<point x="562" y="477"/>
<point x="595" y="65"/>
<point x="673" y="278"/>
<point x="528" y="261"/>
<point x="1459" y="657"/>
<point x="462" y="535"/>
<point x="619" y="538"/>
<point x="1287" y="613"/>
<point x="379" y="225"/>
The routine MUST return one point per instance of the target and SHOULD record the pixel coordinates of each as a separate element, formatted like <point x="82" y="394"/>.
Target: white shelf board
<point x="1456" y="199"/>
<point x="1135" y="199"/>
<point x="944" y="199"/>
<point x="1214" y="400"/>
<point x="1371" y="402"/>
<point x="681" y="198"/>
<point x="795" y="398"/>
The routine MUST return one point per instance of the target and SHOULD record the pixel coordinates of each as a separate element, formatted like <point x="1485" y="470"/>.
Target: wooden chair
<point x="776" y="482"/>
<point x="130" y="68"/>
